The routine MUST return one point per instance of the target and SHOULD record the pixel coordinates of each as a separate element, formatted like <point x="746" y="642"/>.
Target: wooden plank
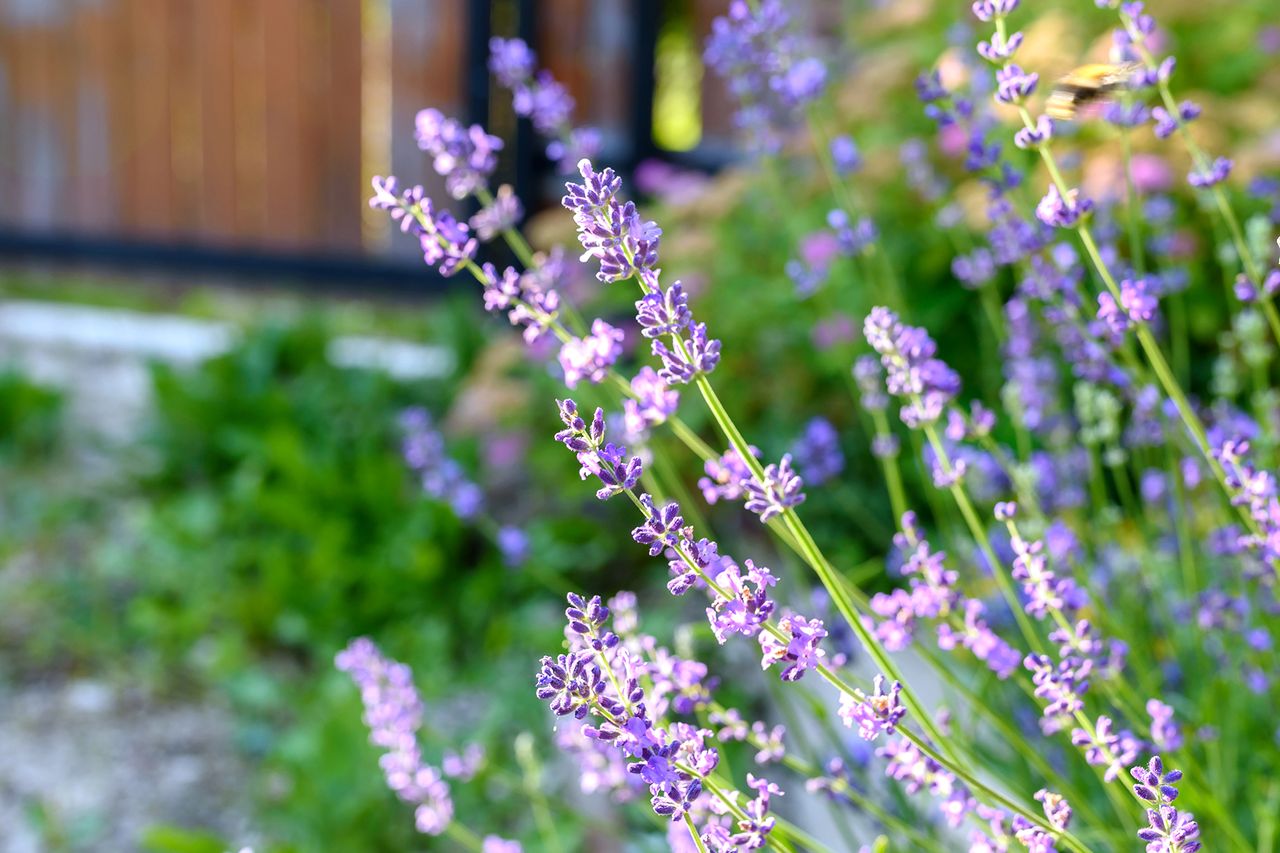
<point x="37" y="161"/>
<point x="185" y="118"/>
<point x="152" y="211"/>
<point x="95" y="155"/>
<point x="60" y="110"/>
<point x="9" y="71"/>
<point x="249" y="69"/>
<point x="215" y="47"/>
<point x="345" y="188"/>
<point x="717" y="104"/>
<point x="284" y="222"/>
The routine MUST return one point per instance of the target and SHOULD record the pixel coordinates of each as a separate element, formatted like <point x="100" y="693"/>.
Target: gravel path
<point x="85" y="766"/>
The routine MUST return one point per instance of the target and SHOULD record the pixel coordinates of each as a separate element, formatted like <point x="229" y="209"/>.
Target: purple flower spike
<point x="700" y="356"/>
<point x="1034" y="138"/>
<point x="800" y="652"/>
<point x="591" y="357"/>
<point x="1013" y="85"/>
<point x="925" y="383"/>
<point x="502" y="214"/>
<point x="1000" y="49"/>
<point x="393" y="713"/>
<point x="1211" y="175"/>
<point x="778" y="491"/>
<point x="598" y="458"/>
<point x="663" y="528"/>
<point x="1059" y="212"/>
<point x="845" y="155"/>
<point x="1168" y="829"/>
<point x="463" y="156"/>
<point x="610" y="231"/>
<point x="876" y="714"/>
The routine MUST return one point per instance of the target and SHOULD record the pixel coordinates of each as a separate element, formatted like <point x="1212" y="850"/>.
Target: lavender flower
<point x="876" y="714"/>
<point x="817" y="453"/>
<point x="537" y="96"/>
<point x="591" y="357"/>
<point x="1063" y="212"/>
<point x="501" y="214"/>
<point x="767" y="67"/>
<point x="845" y="155"/>
<point x="1165" y="733"/>
<point x="604" y="460"/>
<point x="529" y="298"/>
<point x="690" y="357"/>
<point x="393" y="713"/>
<point x="1105" y="748"/>
<point x="653" y="403"/>
<point x="464" y="156"/>
<point x="446" y="243"/>
<point x="907" y="354"/>
<point x="1168" y="830"/>
<point x="1210" y="175"/>
<point x="441" y="477"/>
<point x="726" y="476"/>
<point x="747" y="606"/>
<point x="801" y="651"/>
<point x="611" y="231"/>
<point x="774" y="493"/>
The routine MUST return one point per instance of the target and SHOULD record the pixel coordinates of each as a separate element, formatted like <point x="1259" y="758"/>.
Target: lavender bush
<point x="1078" y="593"/>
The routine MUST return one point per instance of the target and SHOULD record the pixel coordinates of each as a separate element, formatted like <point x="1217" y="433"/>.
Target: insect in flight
<point x="1089" y="84"/>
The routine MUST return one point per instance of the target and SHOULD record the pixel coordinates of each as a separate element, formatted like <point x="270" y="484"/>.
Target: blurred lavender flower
<point x="591" y="357"/>
<point x="537" y="96"/>
<point x="767" y="66"/>
<point x="1063" y="212"/>
<point x="652" y="404"/>
<point x="875" y="714"/>
<point x="393" y="713"/>
<point x="441" y="477"/>
<point x="845" y="155"/>
<point x="817" y="452"/>
<point x="925" y="383"/>
<point x="801" y="651"/>
<point x="501" y="214"/>
<point x="464" y="156"/>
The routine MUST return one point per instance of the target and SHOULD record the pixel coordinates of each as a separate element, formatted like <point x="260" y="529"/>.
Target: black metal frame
<point x="365" y="273"/>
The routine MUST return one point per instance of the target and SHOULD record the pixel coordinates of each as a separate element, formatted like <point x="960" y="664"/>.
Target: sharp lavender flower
<point x="611" y="231"/>
<point x="1168" y="829"/>
<point x="747" y="605"/>
<point x="446" y="243"/>
<point x="598" y="458"/>
<point x="393" y="713"/>
<point x="776" y="492"/>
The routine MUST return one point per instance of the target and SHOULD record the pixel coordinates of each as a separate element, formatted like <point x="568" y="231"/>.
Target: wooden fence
<point x="257" y="124"/>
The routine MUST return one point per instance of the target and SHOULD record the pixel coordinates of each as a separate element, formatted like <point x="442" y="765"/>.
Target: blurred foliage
<point x="30" y="419"/>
